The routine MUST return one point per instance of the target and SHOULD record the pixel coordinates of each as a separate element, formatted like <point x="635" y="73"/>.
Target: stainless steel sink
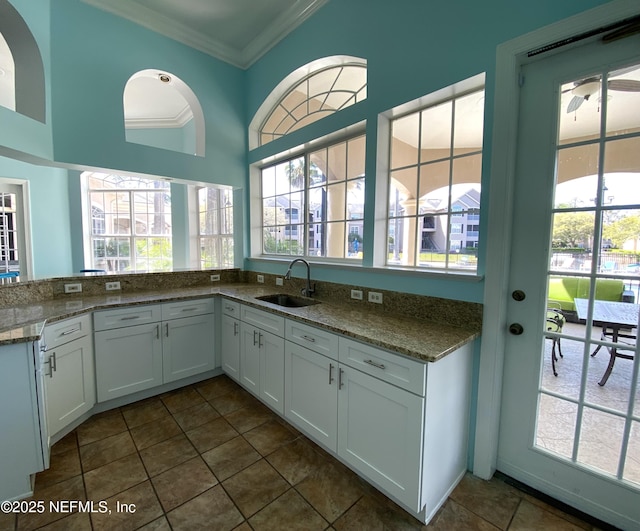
<point x="288" y="301"/>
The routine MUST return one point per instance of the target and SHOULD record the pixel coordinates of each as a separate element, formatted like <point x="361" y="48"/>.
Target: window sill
<point x="453" y="274"/>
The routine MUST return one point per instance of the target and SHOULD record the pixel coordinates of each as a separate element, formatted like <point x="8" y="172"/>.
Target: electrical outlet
<point x="376" y="297"/>
<point x="111" y="286"/>
<point x="356" y="294"/>
<point x="76" y="287"/>
<point x="279" y="281"/>
<point x="261" y="279"/>
<point x="215" y="278"/>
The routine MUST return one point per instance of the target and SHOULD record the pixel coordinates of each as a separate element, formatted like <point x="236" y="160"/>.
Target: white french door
<point x="576" y="231"/>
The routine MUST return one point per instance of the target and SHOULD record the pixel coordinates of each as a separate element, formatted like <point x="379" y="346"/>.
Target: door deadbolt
<point x="518" y="295"/>
<point x="516" y="329"/>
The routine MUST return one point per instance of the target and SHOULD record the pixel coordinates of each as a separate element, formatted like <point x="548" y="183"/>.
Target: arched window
<point x="310" y="93"/>
<point x="160" y="110"/>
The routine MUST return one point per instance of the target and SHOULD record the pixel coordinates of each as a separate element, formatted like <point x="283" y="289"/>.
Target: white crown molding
<point x="179" y="120"/>
<point x="163" y="25"/>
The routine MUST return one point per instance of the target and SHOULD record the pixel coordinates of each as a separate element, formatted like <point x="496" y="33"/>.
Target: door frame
<point x="24" y="225"/>
<point x="509" y="57"/>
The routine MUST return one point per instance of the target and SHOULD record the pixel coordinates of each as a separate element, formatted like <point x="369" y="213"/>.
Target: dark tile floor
<point x="210" y="456"/>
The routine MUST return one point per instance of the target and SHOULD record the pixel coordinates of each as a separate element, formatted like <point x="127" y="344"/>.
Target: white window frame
<point x="380" y="243"/>
<point x="220" y="239"/>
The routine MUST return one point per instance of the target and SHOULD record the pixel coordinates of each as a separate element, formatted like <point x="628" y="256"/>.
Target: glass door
<point x="570" y="423"/>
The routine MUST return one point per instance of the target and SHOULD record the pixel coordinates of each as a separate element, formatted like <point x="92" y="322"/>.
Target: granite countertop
<point x="417" y="338"/>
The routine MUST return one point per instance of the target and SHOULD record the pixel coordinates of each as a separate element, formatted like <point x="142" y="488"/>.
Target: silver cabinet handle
<point x="157" y="331"/>
<point x="235" y="329"/>
<point x="309" y="338"/>
<point x="189" y="309"/>
<point x="375" y="364"/>
<point x="254" y="338"/>
<point x="131" y="317"/>
<point x="260" y="340"/>
<point x="72" y="331"/>
<point x="330" y="371"/>
<point x="230" y="308"/>
<point x="167" y="329"/>
<point x="54" y="365"/>
<point x="340" y="373"/>
<point x="50" y="373"/>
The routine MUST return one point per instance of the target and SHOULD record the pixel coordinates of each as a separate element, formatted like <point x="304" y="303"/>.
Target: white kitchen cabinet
<point x="128" y="360"/>
<point x="398" y="422"/>
<point x="262" y="356"/>
<point x="168" y="346"/>
<point x="311" y="394"/>
<point x="69" y="371"/>
<point x="187" y="347"/>
<point x="380" y="430"/>
<point x="230" y="339"/>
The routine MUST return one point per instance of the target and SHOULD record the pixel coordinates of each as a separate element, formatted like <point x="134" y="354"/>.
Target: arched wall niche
<point x="161" y="110"/>
<point x="28" y="77"/>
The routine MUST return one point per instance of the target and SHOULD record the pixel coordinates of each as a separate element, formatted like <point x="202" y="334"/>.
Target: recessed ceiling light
<point x="165" y="78"/>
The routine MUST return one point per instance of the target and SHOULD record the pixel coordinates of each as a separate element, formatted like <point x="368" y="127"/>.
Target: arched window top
<point x="310" y="93"/>
<point x="161" y="110"/>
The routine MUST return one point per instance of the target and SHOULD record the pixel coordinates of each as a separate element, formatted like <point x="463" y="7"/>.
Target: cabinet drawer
<point x="61" y="332"/>
<point x="312" y="338"/>
<point x="392" y="368"/>
<point x="231" y="308"/>
<point x="268" y="322"/>
<point x="176" y="310"/>
<point x="130" y="316"/>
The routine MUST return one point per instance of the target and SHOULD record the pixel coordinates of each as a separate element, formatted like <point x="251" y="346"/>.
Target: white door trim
<point x="509" y="56"/>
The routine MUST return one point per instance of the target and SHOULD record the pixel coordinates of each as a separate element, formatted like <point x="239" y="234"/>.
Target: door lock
<point x="519" y="295"/>
<point x="516" y="329"/>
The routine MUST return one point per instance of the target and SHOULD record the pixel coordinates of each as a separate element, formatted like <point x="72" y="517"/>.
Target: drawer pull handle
<point x="340" y="373"/>
<point x="131" y="317"/>
<point x="330" y="373"/>
<point x="255" y="341"/>
<point x="158" y="331"/>
<point x="309" y="338"/>
<point x="189" y="309"/>
<point x="230" y="308"/>
<point x="375" y="364"/>
<point x="235" y="329"/>
<point x="72" y="331"/>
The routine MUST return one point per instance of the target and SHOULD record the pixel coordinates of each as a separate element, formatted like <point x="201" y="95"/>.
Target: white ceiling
<point x="236" y="31"/>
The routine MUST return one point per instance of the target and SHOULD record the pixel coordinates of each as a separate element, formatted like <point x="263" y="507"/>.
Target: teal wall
<point x="50" y="215"/>
<point x="412" y="48"/>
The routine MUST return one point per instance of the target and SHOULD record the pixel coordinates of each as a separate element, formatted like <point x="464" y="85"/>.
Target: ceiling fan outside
<point x="585" y="88"/>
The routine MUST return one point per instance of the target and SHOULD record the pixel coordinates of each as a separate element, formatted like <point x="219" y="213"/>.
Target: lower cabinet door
<point x="311" y="394"/>
<point x="380" y="430"/>
<point x="272" y="370"/>
<point x="70" y="383"/>
<point x="250" y="358"/>
<point x="230" y="347"/>
<point x="128" y="360"/>
<point x="188" y="347"/>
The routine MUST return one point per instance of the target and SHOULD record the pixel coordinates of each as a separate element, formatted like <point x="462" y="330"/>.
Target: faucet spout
<point x="308" y="291"/>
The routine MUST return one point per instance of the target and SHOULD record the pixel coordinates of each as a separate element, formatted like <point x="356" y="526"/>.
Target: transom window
<point x="319" y="94"/>
<point x="434" y="185"/>
<point x="313" y="205"/>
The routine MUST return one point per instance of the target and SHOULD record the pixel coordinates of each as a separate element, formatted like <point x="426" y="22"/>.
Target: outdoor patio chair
<point x="554" y="323"/>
